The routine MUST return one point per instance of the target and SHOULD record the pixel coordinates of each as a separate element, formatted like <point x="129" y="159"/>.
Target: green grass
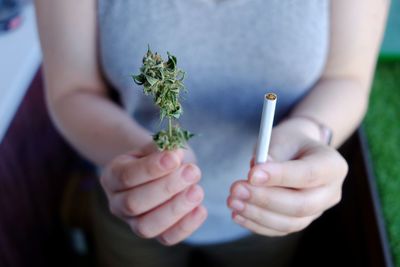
<point x="382" y="125"/>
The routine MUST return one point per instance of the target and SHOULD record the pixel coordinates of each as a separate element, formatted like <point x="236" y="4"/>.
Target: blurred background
<point x="43" y="218"/>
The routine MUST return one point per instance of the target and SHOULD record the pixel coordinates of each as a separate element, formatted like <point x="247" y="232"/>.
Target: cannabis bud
<point x="164" y="81"/>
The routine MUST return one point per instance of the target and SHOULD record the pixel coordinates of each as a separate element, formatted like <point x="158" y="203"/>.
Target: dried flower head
<point x="164" y="81"/>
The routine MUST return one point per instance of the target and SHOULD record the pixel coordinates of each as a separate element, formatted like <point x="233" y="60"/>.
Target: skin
<point x="303" y="179"/>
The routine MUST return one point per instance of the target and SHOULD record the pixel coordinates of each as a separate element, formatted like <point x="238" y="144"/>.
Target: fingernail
<point x="194" y="194"/>
<point x="259" y="177"/>
<point x="241" y="192"/>
<point x="168" y="161"/>
<point x="199" y="213"/>
<point x="161" y="239"/>
<point x="189" y="173"/>
<point x="238" y="218"/>
<point x="237" y="205"/>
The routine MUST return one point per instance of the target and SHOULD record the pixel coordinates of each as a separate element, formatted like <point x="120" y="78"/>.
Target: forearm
<point x="95" y="126"/>
<point x="340" y="99"/>
<point x="339" y="103"/>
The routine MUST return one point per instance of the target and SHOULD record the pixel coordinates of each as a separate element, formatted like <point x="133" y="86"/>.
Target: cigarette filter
<point x="267" y="119"/>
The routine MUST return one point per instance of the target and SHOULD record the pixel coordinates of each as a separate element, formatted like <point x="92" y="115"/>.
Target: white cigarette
<point x="267" y="119"/>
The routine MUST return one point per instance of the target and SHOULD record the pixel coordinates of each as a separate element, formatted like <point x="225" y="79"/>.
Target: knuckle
<point x="286" y="226"/>
<point x="259" y="214"/>
<point x="264" y="200"/>
<point x="114" y="168"/>
<point x="312" y="176"/>
<point x="341" y="166"/>
<point x="337" y="198"/>
<point x="117" y="165"/>
<point x="177" y="208"/>
<point x="280" y="176"/>
<point x="201" y="193"/>
<point x="298" y="226"/>
<point x="277" y="234"/>
<point x="124" y="178"/>
<point x="103" y="180"/>
<point x="143" y="231"/>
<point x="290" y="228"/>
<point x="150" y="168"/>
<point x="184" y="229"/>
<point x="197" y="171"/>
<point x="171" y="187"/>
<point x="194" y="172"/>
<point x="344" y="167"/>
<point x="113" y="209"/>
<point x="304" y="208"/>
<point x="129" y="205"/>
<point x="165" y="241"/>
<point x="132" y="225"/>
<point x="234" y="187"/>
<point x="281" y="234"/>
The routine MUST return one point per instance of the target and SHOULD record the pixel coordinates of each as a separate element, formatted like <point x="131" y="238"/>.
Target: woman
<point x="319" y="56"/>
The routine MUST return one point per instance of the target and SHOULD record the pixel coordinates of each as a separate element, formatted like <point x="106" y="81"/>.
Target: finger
<point x="254" y="227"/>
<point x="184" y="228"/>
<point x="143" y="198"/>
<point x="290" y="202"/>
<point x="313" y="169"/>
<point x="269" y="219"/>
<point x="128" y="172"/>
<point x="163" y="217"/>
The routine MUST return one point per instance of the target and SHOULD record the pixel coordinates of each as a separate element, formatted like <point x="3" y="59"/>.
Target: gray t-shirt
<point x="233" y="52"/>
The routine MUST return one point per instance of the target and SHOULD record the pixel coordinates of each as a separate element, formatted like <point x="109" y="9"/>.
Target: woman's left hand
<point x="284" y="195"/>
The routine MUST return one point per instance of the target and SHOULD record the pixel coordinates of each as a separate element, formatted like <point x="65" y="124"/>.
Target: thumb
<point x="286" y="146"/>
<point x="253" y="160"/>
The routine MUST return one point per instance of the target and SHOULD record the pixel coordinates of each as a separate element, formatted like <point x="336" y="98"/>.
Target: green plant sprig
<point x="164" y="81"/>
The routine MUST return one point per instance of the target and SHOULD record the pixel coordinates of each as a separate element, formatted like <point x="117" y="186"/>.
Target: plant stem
<point x="170" y="126"/>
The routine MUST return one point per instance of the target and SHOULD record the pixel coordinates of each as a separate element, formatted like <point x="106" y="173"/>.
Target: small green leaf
<point x="138" y="79"/>
<point x="152" y="81"/>
<point x="180" y="76"/>
<point x="172" y="61"/>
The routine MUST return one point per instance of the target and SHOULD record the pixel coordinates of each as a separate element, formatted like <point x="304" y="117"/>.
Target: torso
<point x="233" y="52"/>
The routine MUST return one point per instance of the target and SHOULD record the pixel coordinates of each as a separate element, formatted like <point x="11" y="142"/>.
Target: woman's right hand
<point x="156" y="193"/>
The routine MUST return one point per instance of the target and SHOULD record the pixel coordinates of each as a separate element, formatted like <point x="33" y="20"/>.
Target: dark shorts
<point x="117" y="246"/>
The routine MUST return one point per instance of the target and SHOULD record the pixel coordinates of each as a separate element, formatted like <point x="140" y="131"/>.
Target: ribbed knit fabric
<point x="233" y="52"/>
